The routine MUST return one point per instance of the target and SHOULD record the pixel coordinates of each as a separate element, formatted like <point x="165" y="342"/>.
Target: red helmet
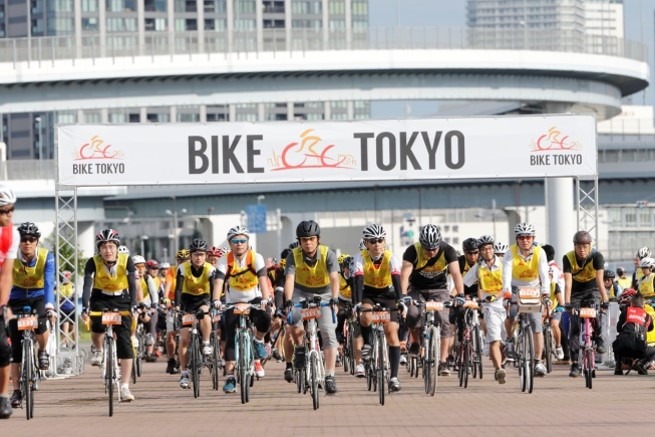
<point x="217" y="252"/>
<point x="152" y="264"/>
<point x="626" y="296"/>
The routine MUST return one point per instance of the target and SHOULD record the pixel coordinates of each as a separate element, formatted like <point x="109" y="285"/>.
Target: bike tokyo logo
<point x="310" y="152"/>
<point x="97" y="150"/>
<point x="554" y="140"/>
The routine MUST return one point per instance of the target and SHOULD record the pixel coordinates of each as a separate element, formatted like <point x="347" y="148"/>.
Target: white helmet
<point x="123" y="249"/>
<point x="485" y="240"/>
<point x="429" y="236"/>
<point x="644" y="252"/>
<point x="374" y="231"/>
<point x="164" y="266"/>
<point x="238" y="230"/>
<point x="138" y="259"/>
<point x="524" y="229"/>
<point x="500" y="248"/>
<point x="362" y="246"/>
<point x="7" y="197"/>
<point x="647" y="262"/>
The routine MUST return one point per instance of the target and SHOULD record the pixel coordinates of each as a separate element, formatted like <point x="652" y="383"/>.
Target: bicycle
<point x="196" y="358"/>
<point x="312" y="377"/>
<point x="27" y="322"/>
<point x="110" y="369"/>
<point x="377" y="367"/>
<point x="348" y="349"/>
<point x="469" y="356"/>
<point x="586" y="315"/>
<point x="244" y="349"/>
<point x="529" y="301"/>
<point x="139" y="352"/>
<point x="216" y="363"/>
<point x="549" y="350"/>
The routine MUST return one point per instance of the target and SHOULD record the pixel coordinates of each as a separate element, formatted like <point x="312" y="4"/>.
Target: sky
<point x="638" y="23"/>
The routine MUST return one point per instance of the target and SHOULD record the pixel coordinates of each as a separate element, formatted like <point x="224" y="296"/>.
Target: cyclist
<point x="34" y="285"/>
<point x="556" y="307"/>
<point x="181" y="256"/>
<point x="9" y="239"/>
<point x="214" y="254"/>
<point x="466" y="261"/>
<point x="612" y="286"/>
<point x="583" y="276"/>
<point x="623" y="281"/>
<point x="110" y="283"/>
<point x="312" y="270"/>
<point x="646" y="286"/>
<point x="377" y="281"/>
<point x="193" y="291"/>
<point x="500" y="249"/>
<point x="642" y="253"/>
<point x="632" y="326"/>
<point x="66" y="295"/>
<point x="150" y="301"/>
<point x="346" y="278"/>
<point x="244" y="272"/>
<point x="525" y="264"/>
<point x="423" y="277"/>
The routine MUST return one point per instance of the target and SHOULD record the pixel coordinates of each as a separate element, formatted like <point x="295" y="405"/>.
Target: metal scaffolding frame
<point x="586" y="201"/>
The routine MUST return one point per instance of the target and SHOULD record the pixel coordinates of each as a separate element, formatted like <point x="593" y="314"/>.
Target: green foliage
<point x="66" y="256"/>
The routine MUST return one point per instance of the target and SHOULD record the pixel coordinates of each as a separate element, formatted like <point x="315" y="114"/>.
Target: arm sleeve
<point x="179" y="282"/>
<point x="358" y="288"/>
<point x="395" y="280"/>
<point x="89" y="271"/>
<point x="152" y="290"/>
<point x="131" y="281"/>
<point x="49" y="278"/>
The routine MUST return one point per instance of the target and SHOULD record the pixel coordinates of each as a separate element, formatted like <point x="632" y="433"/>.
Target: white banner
<point x="434" y="149"/>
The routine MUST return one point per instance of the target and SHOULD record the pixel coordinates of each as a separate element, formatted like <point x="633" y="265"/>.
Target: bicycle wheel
<point x="215" y="359"/>
<point x="313" y="370"/>
<point x="588" y="366"/>
<point x="26" y="377"/>
<point x="520" y="357"/>
<point x="194" y="355"/>
<point x="528" y="338"/>
<point x="477" y="356"/>
<point x="110" y="375"/>
<point x="350" y="349"/>
<point x="243" y="369"/>
<point x="381" y="365"/>
<point x="431" y="361"/>
<point x="300" y="377"/>
<point x="461" y="362"/>
<point x="135" y="370"/>
<point x="548" y="347"/>
<point x="468" y="361"/>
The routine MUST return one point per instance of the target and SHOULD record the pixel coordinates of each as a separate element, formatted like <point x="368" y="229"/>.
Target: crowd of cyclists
<point x="207" y="280"/>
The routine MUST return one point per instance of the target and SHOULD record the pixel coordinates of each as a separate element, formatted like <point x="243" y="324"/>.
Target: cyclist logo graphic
<point x="554" y="140"/>
<point x="97" y="149"/>
<point x="310" y="152"/>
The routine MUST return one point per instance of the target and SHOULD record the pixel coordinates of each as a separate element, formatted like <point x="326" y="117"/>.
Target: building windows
<point x="121" y="5"/>
<point x="155" y="24"/>
<point x="89" y="5"/>
<point x="154" y="5"/>
<point x="90" y="23"/>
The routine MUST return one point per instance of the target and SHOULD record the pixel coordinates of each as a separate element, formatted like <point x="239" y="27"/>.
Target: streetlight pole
<point x="174" y="214"/>
<point x="37" y="121"/>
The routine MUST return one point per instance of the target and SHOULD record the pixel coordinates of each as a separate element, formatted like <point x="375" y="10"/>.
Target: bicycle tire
<point x="243" y="372"/>
<point x="134" y="371"/>
<point x="194" y="354"/>
<point x="468" y="352"/>
<point x="110" y="372"/>
<point x="216" y="360"/>
<point x="588" y="367"/>
<point x="461" y="359"/>
<point x="477" y="360"/>
<point x="381" y="373"/>
<point x="520" y="360"/>
<point x="27" y="369"/>
<point x="350" y="349"/>
<point x="548" y="348"/>
<point x="529" y="338"/>
<point x="313" y="374"/>
<point x="431" y="361"/>
<point x="299" y="376"/>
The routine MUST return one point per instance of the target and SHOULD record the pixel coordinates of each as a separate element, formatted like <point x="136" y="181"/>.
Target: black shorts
<point x="385" y="301"/>
<point x="122" y="302"/>
<point x="17" y="305"/>
<point x="191" y="302"/>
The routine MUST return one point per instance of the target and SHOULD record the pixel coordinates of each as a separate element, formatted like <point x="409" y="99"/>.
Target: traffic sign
<point x="256" y="215"/>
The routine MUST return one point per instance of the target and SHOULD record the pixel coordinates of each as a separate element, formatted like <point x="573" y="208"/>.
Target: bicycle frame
<point x="585" y="317"/>
<point x="431" y="345"/>
<point x="243" y="348"/>
<point x="27" y="322"/>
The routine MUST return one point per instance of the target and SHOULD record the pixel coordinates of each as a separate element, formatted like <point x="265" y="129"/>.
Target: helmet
<point x="293" y="244"/>
<point x="308" y="228"/>
<point x="238" y="230"/>
<point x="198" y="245"/>
<point x="28" y="228"/>
<point x="470" y="245"/>
<point x="647" y="262"/>
<point x="7" y="197"/>
<point x="152" y="264"/>
<point x="524" y="229"/>
<point x="626" y="296"/>
<point x="182" y="254"/>
<point x="500" y="248"/>
<point x="164" y="266"/>
<point x="582" y="237"/>
<point x="217" y="251"/>
<point x="66" y="276"/>
<point x="429" y="236"/>
<point x="620" y="271"/>
<point x="609" y="274"/>
<point x="107" y="235"/>
<point x="643" y="252"/>
<point x="485" y="240"/>
<point x="374" y="231"/>
<point x="138" y="259"/>
<point x="344" y="260"/>
<point x="123" y="249"/>
<point x="362" y="246"/>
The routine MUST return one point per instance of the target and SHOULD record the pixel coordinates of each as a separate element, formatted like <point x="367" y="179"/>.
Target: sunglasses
<point x="525" y="237"/>
<point x="375" y="240"/>
<point x="7" y="211"/>
<point x="238" y="241"/>
<point x="28" y="240"/>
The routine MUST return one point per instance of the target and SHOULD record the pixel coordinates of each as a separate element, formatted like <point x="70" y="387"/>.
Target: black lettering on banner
<point x="406" y="153"/>
<point x="450" y="163"/>
<point x="228" y="154"/>
<point x="215" y="154"/>
<point x="391" y="147"/>
<point x="431" y="147"/>
<point x="363" y="144"/>
<point x="252" y="152"/>
<point x="197" y="149"/>
<point x="109" y="168"/>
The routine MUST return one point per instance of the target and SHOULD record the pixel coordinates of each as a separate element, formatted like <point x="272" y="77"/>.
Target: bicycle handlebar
<point x="316" y="302"/>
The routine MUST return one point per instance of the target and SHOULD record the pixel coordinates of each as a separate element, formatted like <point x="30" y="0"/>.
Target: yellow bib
<point x="524" y="270"/>
<point x="646" y="288"/>
<point x="32" y="278"/>
<point x="344" y="289"/>
<point x="103" y="279"/>
<point x="581" y="274"/>
<point x="66" y="290"/>
<point x="491" y="281"/>
<point x="312" y="277"/>
<point x="553" y="296"/>
<point x="196" y="286"/>
<point x="241" y="278"/>
<point x="421" y="261"/>
<point x="377" y="276"/>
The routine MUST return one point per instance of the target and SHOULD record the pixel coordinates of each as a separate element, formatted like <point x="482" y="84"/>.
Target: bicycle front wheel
<point x="110" y="372"/>
<point x="313" y="369"/>
<point x="244" y="382"/>
<point x="215" y="360"/>
<point x="431" y="361"/>
<point x="27" y="377"/>
<point x="588" y="366"/>
<point x="381" y="365"/>
<point x="528" y="339"/>
<point x="548" y="347"/>
<point x="194" y="354"/>
<point x="477" y="358"/>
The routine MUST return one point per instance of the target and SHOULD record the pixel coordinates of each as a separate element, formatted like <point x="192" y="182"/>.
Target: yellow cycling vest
<point x="196" y="286"/>
<point x="104" y="281"/>
<point x="344" y="288"/>
<point x="312" y="277"/>
<point x="377" y="276"/>
<point x="553" y="296"/>
<point x="421" y="261"/>
<point x="66" y="290"/>
<point x="32" y="278"/>
<point x="624" y="282"/>
<point x="242" y="278"/>
<point x="491" y="281"/>
<point x="522" y="270"/>
<point x="581" y="274"/>
<point x="646" y="288"/>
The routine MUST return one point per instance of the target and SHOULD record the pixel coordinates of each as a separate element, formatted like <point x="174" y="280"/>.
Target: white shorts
<point x="494" y="319"/>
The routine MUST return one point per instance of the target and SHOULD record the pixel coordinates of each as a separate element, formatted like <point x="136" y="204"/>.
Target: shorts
<point x="385" y="302"/>
<point x="414" y="312"/>
<point x="325" y="322"/>
<point x="123" y="302"/>
<point x="191" y="303"/>
<point x="494" y="317"/>
<point x="36" y="303"/>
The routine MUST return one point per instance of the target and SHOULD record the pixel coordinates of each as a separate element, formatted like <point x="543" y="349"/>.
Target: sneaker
<point x="44" y="360"/>
<point x="414" y="348"/>
<point x="288" y="374"/>
<point x="394" y="385"/>
<point x="359" y="371"/>
<point x="126" y="395"/>
<point x="559" y="353"/>
<point x="600" y="345"/>
<point x="16" y="399"/>
<point x="260" y="350"/>
<point x="617" y="369"/>
<point x="230" y="385"/>
<point x="540" y="369"/>
<point x="170" y="368"/>
<point x="403" y="359"/>
<point x="96" y="357"/>
<point x="207" y="349"/>
<point x="299" y="357"/>
<point x="330" y="385"/>
<point x="366" y="352"/>
<point x="5" y="408"/>
<point x="276" y="356"/>
<point x="639" y="367"/>
<point x="151" y="358"/>
<point x="575" y="370"/>
<point x="184" y="380"/>
<point x="500" y="375"/>
<point x="443" y="369"/>
<point x="259" y="370"/>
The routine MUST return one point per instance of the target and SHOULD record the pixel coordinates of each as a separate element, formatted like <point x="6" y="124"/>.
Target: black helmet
<point x="308" y="228"/>
<point x="470" y="245"/>
<point x="293" y="244"/>
<point x="29" y="229"/>
<point x="582" y="237"/>
<point x="609" y="274"/>
<point x="198" y="245"/>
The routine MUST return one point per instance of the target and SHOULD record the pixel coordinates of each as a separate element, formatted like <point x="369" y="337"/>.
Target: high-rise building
<point x="146" y="27"/>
